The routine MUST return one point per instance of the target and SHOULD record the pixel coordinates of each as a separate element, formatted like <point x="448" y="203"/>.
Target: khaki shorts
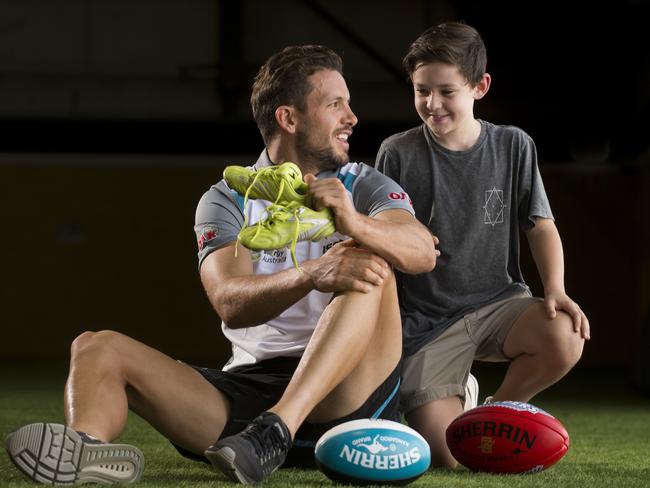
<point x="440" y="369"/>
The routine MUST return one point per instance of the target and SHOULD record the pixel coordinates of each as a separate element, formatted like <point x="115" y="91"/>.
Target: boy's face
<point x="325" y="125"/>
<point x="445" y="100"/>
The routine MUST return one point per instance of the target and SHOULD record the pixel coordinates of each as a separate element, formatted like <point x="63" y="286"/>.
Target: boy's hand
<point x="554" y="301"/>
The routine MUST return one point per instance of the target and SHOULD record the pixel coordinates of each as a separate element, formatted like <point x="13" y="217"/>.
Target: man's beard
<point x="323" y="158"/>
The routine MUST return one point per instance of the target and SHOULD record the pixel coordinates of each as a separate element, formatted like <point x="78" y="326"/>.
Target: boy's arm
<point x="546" y="248"/>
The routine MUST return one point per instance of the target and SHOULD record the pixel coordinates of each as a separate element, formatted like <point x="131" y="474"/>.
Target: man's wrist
<point x="304" y="278"/>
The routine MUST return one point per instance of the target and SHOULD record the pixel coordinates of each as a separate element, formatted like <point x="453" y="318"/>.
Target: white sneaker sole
<point x="56" y="455"/>
<point x="471" y="393"/>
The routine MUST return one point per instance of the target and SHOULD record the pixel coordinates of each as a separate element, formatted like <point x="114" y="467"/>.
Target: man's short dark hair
<point x="452" y="43"/>
<point x="282" y="80"/>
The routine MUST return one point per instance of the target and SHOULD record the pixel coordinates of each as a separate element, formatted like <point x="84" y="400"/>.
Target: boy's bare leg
<point x="431" y="421"/>
<point x="543" y="351"/>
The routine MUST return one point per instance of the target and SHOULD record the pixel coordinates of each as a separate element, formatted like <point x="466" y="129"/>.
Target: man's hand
<point x="346" y="267"/>
<point x="436" y="243"/>
<point x="330" y="193"/>
<point x="558" y="300"/>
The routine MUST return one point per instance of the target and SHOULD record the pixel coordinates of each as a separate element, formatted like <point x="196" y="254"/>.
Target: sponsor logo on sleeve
<point x="208" y="233"/>
<point x="400" y="196"/>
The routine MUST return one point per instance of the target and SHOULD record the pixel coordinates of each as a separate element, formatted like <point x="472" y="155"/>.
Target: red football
<point x="507" y="437"/>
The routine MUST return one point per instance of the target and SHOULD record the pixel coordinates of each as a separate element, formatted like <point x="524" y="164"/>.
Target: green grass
<point x="609" y="428"/>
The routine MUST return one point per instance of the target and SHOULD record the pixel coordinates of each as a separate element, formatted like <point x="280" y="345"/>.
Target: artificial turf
<point x="609" y="426"/>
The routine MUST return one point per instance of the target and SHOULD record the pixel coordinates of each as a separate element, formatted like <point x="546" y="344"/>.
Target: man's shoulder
<point x="219" y="188"/>
<point x="221" y="194"/>
<point x="363" y="179"/>
<point x="353" y="172"/>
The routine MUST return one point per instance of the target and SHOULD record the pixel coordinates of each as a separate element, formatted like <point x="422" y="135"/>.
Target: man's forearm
<point x="247" y="301"/>
<point x="404" y="243"/>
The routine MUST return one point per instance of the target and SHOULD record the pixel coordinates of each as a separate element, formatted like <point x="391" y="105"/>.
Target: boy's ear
<point x="482" y="86"/>
<point x="285" y="116"/>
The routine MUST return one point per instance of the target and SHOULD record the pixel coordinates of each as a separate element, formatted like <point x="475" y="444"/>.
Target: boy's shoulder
<point x="505" y="132"/>
<point x="496" y="133"/>
<point x="404" y="138"/>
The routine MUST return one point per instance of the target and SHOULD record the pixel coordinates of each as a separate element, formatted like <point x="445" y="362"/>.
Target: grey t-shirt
<point x="475" y="201"/>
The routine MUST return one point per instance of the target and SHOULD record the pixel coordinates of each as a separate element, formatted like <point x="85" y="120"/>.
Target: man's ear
<point x="285" y="116"/>
<point x="482" y="86"/>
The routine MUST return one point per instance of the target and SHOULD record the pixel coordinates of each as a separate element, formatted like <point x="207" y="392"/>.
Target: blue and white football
<point x="372" y="451"/>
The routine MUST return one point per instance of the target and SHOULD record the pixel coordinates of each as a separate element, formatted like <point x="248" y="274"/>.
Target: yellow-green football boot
<point x="279" y="184"/>
<point x="287" y="225"/>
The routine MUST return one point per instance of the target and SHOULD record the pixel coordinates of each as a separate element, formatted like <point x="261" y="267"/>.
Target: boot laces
<point x="269" y="443"/>
<point x="270" y="172"/>
<point x="283" y="213"/>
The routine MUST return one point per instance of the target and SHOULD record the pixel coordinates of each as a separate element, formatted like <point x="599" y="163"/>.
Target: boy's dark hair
<point x="452" y="43"/>
<point x="282" y="80"/>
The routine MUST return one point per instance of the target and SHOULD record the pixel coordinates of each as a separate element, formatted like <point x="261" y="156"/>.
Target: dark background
<point x="116" y="115"/>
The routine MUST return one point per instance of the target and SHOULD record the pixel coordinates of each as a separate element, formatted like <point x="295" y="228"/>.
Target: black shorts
<point x="255" y="388"/>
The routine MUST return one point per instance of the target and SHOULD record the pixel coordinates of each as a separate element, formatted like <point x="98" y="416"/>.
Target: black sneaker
<point x="253" y="454"/>
<point x="54" y="454"/>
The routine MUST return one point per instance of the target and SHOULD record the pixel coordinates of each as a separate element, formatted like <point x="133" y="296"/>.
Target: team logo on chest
<point x="494" y="207"/>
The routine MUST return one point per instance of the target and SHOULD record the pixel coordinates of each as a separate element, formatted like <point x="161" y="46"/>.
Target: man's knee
<point x="80" y="342"/>
<point x="389" y="281"/>
<point x="388" y="290"/>
<point x="95" y="345"/>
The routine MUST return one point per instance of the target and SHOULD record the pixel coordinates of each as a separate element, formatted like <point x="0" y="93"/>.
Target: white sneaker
<point x="54" y="454"/>
<point x="471" y="393"/>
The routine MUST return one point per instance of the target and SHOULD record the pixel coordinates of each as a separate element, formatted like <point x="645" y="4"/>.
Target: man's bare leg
<point x="110" y="373"/>
<point x="356" y="345"/>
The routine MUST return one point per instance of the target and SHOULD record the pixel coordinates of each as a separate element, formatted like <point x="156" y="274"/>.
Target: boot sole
<point x="56" y="455"/>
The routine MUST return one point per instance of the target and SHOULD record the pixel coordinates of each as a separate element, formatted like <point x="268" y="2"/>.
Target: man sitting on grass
<point x="312" y="347"/>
